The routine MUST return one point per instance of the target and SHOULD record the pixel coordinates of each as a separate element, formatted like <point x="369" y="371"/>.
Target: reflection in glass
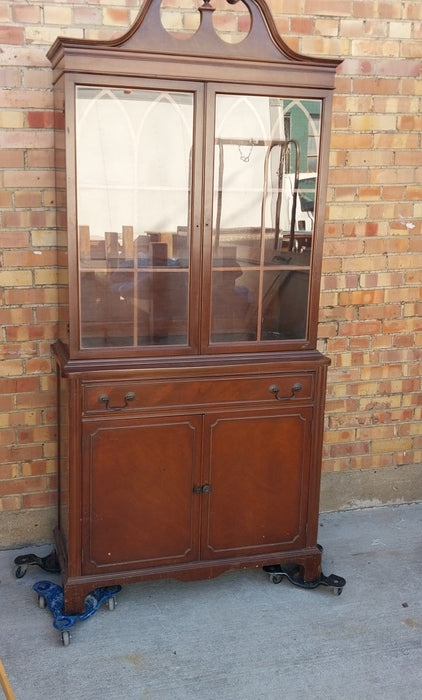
<point x="133" y="199"/>
<point x="265" y="180"/>
<point x="234" y="301"/>
<point x="284" y="304"/>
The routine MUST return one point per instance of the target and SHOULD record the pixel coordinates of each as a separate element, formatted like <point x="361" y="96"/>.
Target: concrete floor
<point x="238" y="637"/>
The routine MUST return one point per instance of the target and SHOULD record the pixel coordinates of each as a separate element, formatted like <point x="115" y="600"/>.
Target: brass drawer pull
<point x="104" y="399"/>
<point x="273" y="389"/>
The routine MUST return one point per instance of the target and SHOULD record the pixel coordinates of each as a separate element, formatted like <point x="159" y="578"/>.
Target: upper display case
<point x="193" y="197"/>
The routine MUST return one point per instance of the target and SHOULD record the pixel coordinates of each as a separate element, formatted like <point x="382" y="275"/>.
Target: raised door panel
<point x="258" y="473"/>
<point x="138" y="506"/>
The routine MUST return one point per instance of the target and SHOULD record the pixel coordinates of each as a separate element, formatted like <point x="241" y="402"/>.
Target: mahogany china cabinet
<point x="191" y="178"/>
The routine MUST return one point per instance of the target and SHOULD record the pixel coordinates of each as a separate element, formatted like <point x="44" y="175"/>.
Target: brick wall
<point x="370" y="322"/>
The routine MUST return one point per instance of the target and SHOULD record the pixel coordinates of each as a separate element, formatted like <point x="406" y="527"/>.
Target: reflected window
<point x="134" y="179"/>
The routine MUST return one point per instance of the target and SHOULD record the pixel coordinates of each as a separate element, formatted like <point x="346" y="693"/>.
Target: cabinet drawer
<point x="133" y="395"/>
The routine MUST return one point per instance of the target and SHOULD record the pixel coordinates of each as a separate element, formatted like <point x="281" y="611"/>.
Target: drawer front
<point x="135" y="395"/>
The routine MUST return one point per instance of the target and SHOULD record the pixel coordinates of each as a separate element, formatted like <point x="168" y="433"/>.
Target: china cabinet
<point x="191" y="177"/>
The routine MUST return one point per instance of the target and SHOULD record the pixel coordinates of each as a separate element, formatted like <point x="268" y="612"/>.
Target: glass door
<point x="264" y="186"/>
<point x="134" y="175"/>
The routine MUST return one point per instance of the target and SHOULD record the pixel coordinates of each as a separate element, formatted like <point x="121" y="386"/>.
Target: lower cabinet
<point x="172" y="491"/>
<point x="187" y="478"/>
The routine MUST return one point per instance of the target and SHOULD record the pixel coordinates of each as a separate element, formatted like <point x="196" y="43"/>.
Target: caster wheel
<point x="66" y="638"/>
<point x="337" y="591"/>
<point x="276" y="578"/>
<point x="20" y="571"/>
<point x="42" y="602"/>
<point x="111" y="603"/>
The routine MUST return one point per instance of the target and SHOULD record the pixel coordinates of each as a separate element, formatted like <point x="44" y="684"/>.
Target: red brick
<point x="244" y="23"/>
<point x="354" y="448"/>
<point x="11" y="158"/>
<point x="10" y="77"/>
<point x="15" y="316"/>
<point x="40" y="120"/>
<point x="26" y="14"/>
<point x="27" y="198"/>
<point x="116" y="16"/>
<point x="19" y="486"/>
<point x="29" y="178"/>
<point x="10" y="503"/>
<point x="6" y="201"/>
<point x="36" y="435"/>
<point x="11" y="35"/>
<point x="302" y="25"/>
<point x="32" y="400"/>
<point x="26" y="138"/>
<point x="361" y="297"/>
<point x="382" y="311"/>
<point x="409" y="122"/>
<point x="38" y="158"/>
<point x="38" y="468"/>
<point x="325" y="7"/>
<point x="370" y="327"/>
<point x="30" y="332"/>
<point x="376" y="86"/>
<point x="39" y="500"/>
<point x="34" y="295"/>
<point x="30" y="258"/>
<point x="14" y="239"/>
<point x="86" y="15"/>
<point x="40" y="365"/>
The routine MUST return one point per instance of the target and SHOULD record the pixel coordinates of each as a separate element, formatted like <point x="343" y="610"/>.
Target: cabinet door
<point x="258" y="474"/>
<point x="135" y="165"/>
<point x="265" y="176"/>
<point x="138" y="503"/>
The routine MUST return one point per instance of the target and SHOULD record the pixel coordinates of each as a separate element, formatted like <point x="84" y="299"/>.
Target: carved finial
<point x="207" y="6"/>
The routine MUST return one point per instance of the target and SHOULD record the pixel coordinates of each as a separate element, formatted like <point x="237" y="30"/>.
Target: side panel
<point x="63" y="455"/>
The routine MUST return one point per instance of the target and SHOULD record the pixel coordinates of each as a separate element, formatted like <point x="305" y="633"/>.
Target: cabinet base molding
<point x="302" y="569"/>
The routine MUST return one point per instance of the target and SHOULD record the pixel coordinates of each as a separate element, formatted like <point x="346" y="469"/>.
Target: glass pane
<point x="285" y="298"/>
<point x="105" y="311"/>
<point x="265" y="180"/>
<point x="234" y="302"/>
<point x="134" y="174"/>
